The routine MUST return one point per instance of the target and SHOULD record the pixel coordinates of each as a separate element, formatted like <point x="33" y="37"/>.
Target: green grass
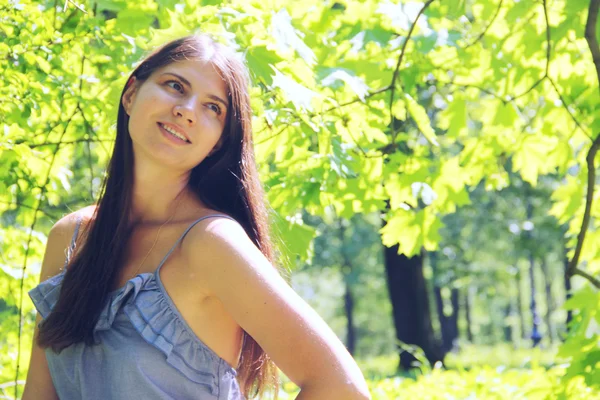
<point x="501" y="355"/>
<point x="482" y="383"/>
<point x="476" y="372"/>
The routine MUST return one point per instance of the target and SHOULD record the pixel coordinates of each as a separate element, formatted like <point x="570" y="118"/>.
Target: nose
<point x="185" y="111"/>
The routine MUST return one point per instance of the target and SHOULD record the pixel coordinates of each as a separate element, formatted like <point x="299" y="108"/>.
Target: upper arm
<point x="39" y="383"/>
<point x="293" y="335"/>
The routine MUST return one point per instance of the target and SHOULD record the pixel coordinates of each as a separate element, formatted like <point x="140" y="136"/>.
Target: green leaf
<point x="261" y="61"/>
<point x="531" y="157"/>
<point x="287" y="38"/>
<point x="299" y="95"/>
<point x="295" y="239"/>
<point x="334" y="76"/>
<point x="419" y="115"/>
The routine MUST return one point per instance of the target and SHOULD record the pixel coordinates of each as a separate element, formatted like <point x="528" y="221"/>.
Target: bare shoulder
<point x="66" y="225"/>
<point x="220" y="232"/>
<point x="228" y="265"/>
<point x="215" y="243"/>
<point x="59" y="239"/>
<point x="217" y="227"/>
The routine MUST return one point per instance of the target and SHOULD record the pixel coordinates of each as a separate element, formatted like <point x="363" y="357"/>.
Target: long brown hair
<point x="227" y="181"/>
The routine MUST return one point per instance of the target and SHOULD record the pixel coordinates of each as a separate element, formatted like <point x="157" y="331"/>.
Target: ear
<point x="129" y="95"/>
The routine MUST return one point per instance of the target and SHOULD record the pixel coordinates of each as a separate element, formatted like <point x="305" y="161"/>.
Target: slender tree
<point x="549" y="300"/>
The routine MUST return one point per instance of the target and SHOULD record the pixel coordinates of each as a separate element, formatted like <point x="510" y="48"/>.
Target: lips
<point x="166" y="127"/>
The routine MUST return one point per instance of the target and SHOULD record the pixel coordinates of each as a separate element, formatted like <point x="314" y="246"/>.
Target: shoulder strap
<point x="185" y="233"/>
<point x="71" y="248"/>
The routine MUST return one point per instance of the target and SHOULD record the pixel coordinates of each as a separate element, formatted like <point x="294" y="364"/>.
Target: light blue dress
<point x="145" y="348"/>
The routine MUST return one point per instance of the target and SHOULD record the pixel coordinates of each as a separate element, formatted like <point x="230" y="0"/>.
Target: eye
<point x="175" y="85"/>
<point x="215" y="108"/>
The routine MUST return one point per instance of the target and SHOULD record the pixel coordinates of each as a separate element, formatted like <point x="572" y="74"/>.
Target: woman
<point x="168" y="290"/>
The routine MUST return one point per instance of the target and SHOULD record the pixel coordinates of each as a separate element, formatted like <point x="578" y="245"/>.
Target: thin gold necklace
<point x="157" y="235"/>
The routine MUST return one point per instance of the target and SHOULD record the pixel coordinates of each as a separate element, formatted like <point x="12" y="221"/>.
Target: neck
<point x="155" y="197"/>
<point x="159" y="191"/>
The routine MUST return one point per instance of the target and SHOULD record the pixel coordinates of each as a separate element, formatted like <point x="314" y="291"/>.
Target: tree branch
<point x="591" y="181"/>
<point x="548" y="51"/>
<point x="32" y="208"/>
<point x="34" y="145"/>
<point x="595" y="281"/>
<point x="396" y="71"/>
<point x="564" y="104"/>
<point x="297" y="118"/>
<point x="482" y="34"/>
<point x="358" y="99"/>
<point x="590" y="35"/>
<point x="35" y="214"/>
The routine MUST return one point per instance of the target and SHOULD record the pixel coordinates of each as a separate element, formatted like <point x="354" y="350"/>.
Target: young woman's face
<point x="178" y="114"/>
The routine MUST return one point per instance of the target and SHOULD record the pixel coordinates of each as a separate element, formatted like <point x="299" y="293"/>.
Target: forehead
<point x="202" y="75"/>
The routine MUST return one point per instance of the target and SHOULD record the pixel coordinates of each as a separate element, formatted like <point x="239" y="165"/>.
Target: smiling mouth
<point x="173" y="133"/>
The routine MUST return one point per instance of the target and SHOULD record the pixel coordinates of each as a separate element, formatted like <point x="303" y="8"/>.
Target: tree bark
<point x="410" y="306"/>
<point x="520" y="303"/>
<point x="349" y="308"/>
<point x="443" y="319"/>
<point x="348" y="296"/>
<point x="454" y="299"/>
<point x="549" y="301"/>
<point x="508" y="334"/>
<point x="468" y="314"/>
<point x="567" y="289"/>
<point x="448" y="323"/>
<point x="536" y="336"/>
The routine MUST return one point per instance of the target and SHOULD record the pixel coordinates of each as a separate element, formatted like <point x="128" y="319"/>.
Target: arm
<point x="264" y="305"/>
<point x="39" y="384"/>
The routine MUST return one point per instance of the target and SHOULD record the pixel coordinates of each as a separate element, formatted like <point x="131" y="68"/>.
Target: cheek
<point x="142" y="109"/>
<point x="211" y="125"/>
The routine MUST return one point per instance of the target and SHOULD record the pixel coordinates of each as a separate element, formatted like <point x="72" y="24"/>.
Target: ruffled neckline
<point x="155" y="317"/>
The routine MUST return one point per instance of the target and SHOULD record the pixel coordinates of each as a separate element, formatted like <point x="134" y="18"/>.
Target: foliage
<point x="501" y="356"/>
<point x="482" y="383"/>
<point x="479" y="372"/>
<point x="347" y="255"/>
<point x="582" y="348"/>
<point x="358" y="105"/>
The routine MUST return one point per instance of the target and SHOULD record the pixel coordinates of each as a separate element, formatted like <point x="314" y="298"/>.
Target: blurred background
<point x="430" y="167"/>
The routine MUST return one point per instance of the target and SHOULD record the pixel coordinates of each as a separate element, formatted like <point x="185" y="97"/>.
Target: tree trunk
<point x="443" y="319"/>
<point x="410" y="306"/>
<point x="536" y="336"/>
<point x="453" y="319"/>
<point x="567" y="289"/>
<point x="448" y="323"/>
<point x="520" y="303"/>
<point x="348" y="296"/>
<point x="349" y="308"/>
<point x="468" y="314"/>
<point x="508" y="335"/>
<point x="549" y="301"/>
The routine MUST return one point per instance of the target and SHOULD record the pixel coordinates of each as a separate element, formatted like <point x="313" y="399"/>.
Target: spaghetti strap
<point x="71" y="248"/>
<point x="169" y="357"/>
<point x="156" y="273"/>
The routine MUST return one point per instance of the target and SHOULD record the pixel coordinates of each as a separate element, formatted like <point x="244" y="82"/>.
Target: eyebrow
<point x="186" y="82"/>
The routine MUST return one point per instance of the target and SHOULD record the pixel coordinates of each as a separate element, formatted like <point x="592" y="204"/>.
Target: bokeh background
<point x="430" y="166"/>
